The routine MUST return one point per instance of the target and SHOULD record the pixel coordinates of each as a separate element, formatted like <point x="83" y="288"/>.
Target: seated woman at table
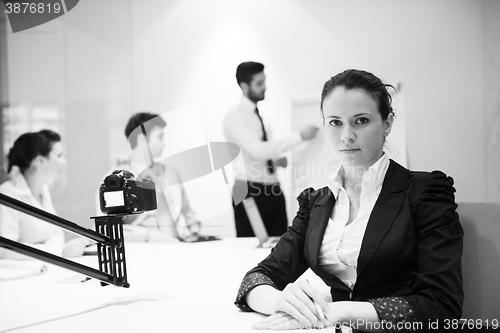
<point x="35" y="162"/>
<point x="386" y="240"/>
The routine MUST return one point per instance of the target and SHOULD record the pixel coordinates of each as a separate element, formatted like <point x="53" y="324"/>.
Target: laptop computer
<point x="199" y="238"/>
<point x="259" y="229"/>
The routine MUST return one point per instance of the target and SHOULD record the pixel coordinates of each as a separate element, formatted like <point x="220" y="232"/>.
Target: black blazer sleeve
<point x="437" y="291"/>
<point x="286" y="261"/>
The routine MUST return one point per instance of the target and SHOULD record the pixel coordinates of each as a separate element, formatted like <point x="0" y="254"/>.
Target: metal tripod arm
<point x="111" y="250"/>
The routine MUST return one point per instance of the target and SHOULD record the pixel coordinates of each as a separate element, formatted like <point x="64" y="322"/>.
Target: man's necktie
<point x="270" y="164"/>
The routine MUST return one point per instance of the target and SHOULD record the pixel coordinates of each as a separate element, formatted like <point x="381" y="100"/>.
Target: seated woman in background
<point x="386" y="240"/>
<point x="35" y="162"/>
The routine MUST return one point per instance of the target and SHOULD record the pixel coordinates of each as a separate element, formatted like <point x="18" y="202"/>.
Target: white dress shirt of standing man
<point x="243" y="125"/>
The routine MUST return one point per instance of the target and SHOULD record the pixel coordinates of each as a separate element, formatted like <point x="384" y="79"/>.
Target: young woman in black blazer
<point x="387" y="240"/>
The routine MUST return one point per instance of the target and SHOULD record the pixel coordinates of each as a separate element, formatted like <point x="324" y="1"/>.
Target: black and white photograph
<point x="233" y="166"/>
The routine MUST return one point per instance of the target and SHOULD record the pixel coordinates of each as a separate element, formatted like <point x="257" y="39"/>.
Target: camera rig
<point x="109" y="238"/>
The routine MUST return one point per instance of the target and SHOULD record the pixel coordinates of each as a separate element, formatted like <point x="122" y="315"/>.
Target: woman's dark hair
<point x="30" y="145"/>
<point x="51" y="136"/>
<point x="358" y="79"/>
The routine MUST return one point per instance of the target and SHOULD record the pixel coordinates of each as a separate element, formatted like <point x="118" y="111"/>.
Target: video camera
<point x="120" y="193"/>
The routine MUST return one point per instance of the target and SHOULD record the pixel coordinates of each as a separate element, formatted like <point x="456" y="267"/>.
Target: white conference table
<point x="174" y="287"/>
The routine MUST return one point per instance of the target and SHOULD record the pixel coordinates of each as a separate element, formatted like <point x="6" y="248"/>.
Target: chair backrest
<point x="481" y="259"/>
<point x="258" y="226"/>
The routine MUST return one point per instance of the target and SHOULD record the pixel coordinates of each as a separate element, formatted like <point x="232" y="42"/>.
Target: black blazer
<point x="412" y="246"/>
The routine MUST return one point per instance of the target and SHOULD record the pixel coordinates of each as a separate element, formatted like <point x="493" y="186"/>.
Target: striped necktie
<point x="270" y="164"/>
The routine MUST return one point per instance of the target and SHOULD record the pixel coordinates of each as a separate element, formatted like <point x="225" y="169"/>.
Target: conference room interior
<point x="85" y="73"/>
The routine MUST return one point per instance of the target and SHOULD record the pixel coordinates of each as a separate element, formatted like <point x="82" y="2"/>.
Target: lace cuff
<point x="249" y="282"/>
<point x="395" y="314"/>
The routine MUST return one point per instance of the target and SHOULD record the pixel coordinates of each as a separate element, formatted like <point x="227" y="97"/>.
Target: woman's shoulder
<point x="431" y="186"/>
<point x="435" y="177"/>
<point x="417" y="178"/>
<point x="9" y="188"/>
<point x="312" y="196"/>
<point x="15" y="184"/>
<point x="421" y="184"/>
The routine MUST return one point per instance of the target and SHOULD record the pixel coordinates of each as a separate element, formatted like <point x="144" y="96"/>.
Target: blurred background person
<point x="174" y="219"/>
<point x="35" y="162"/>
<point x="244" y="126"/>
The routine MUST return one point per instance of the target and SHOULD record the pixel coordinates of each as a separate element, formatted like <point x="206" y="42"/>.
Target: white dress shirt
<point x="242" y="127"/>
<point x="341" y="243"/>
<point x="24" y="228"/>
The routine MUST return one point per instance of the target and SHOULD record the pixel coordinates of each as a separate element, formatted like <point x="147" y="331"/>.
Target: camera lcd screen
<point x="114" y="199"/>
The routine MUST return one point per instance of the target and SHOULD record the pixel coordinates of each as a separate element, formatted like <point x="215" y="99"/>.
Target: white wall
<point x="156" y="55"/>
<point x="491" y="79"/>
<point x="80" y="62"/>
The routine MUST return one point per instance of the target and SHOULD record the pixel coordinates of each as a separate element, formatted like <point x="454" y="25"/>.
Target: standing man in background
<point x="244" y="126"/>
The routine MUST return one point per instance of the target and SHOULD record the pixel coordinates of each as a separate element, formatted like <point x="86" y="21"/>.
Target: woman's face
<point x="53" y="163"/>
<point x="354" y="127"/>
